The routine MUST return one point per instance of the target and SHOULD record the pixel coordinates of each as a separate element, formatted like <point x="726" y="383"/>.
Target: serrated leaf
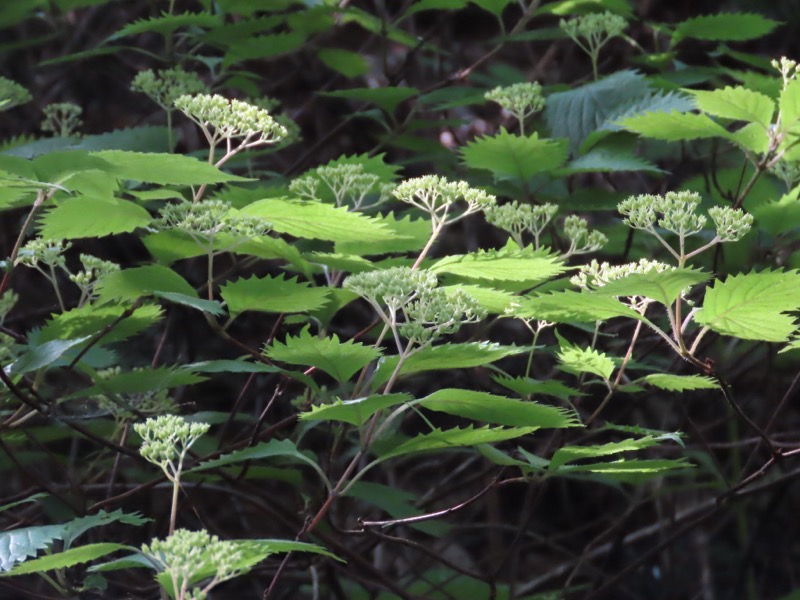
<point x="42" y="355"/>
<point x="569" y="454"/>
<point x="66" y="559"/>
<point x="663" y="287"/>
<point x="410" y="235"/>
<point x="491" y="300"/>
<point x="733" y="27"/>
<point x="386" y="98"/>
<point x="674" y="126"/>
<point x="167" y="23"/>
<point x="578" y="360"/>
<point x="89" y="320"/>
<point x="570" y="306"/>
<point x="445" y="357"/>
<point x="790" y="106"/>
<point x="511" y="156"/>
<point x="31" y="498"/>
<point x="315" y="220"/>
<point x="495" y="7"/>
<point x="92" y="217"/>
<point x="632" y="470"/>
<point x="454" y="438"/>
<point x="338" y="359"/>
<point x="526" y="386"/>
<point x="737" y="103"/>
<point x="272" y="294"/>
<point x="497" y="410"/>
<point x="355" y="411"/>
<point x="752" y="137"/>
<point x="532" y="267"/>
<point x="271" y="449"/>
<point x="210" y="306"/>
<point x="166" y="169"/>
<point x="679" y="383"/>
<point x="752" y="306"/>
<point x="263" y="47"/>
<point x="605" y="159"/>
<point x="19" y="544"/>
<point x="130" y="284"/>
<point x="141" y="380"/>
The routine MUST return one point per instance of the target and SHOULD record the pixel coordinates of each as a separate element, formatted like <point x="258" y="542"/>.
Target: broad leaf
<point x="734" y="27"/>
<point x="165" y="169"/>
<point x="524" y="265"/>
<point x="737" y="103"/>
<point x="89" y="320"/>
<point x="454" y="438"/>
<point x="410" y="235"/>
<point x="444" y="357"/>
<point x="752" y="306"/>
<point x="526" y="386"/>
<point x="664" y="286"/>
<point x="679" y="383"/>
<point x="210" y="306"/>
<point x="315" y="220"/>
<point x="578" y="360"/>
<point x="516" y="157"/>
<point x="272" y="294"/>
<point x="493" y="301"/>
<point x="66" y="559"/>
<point x="144" y="379"/>
<point x="130" y="284"/>
<point x="91" y="217"/>
<point x="498" y="410"/>
<point x="674" y="126"/>
<point x="348" y="63"/>
<point x="569" y="306"/>
<point x="38" y="356"/>
<point x="355" y="411"/>
<point x="338" y="359"/>
<point x="285" y="449"/>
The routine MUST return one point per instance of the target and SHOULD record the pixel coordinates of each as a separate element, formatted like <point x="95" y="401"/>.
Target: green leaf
<point x="89" y="320"/>
<point x="272" y="294"/>
<point x="679" y="383"/>
<point x="569" y="454"/>
<point x="448" y="356"/>
<point x="578" y="360"/>
<point x="31" y="498"/>
<point x="386" y="98"/>
<point x="17" y="545"/>
<point x="454" y="438"/>
<point x="790" y="106"/>
<point x="602" y="159"/>
<point x="752" y="306"/>
<point x="495" y="7"/>
<point x="145" y="379"/>
<point x="498" y="410"/>
<point x="315" y="220"/>
<point x="435" y="5"/>
<point x="168" y="23"/>
<point x="570" y="306"/>
<point x="92" y="217"/>
<point x="528" y="265"/>
<point x="737" y="103"/>
<point x="68" y="558"/>
<point x="516" y="157"/>
<point x="674" y="126"/>
<point x="355" y="411"/>
<point x="262" y="450"/>
<point x="348" y="63"/>
<point x="494" y="301"/>
<point x="130" y="284"/>
<point x="166" y="169"/>
<point x="338" y="359"/>
<point x="410" y="236"/>
<point x="526" y="386"/>
<point x="663" y="287"/>
<point x="733" y="27"/>
<point x="631" y="470"/>
<point x="210" y="306"/>
<point x="42" y="355"/>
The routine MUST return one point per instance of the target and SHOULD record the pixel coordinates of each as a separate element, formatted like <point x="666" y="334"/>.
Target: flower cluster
<point x="788" y="69"/>
<point x="596" y="275"/>
<point x="435" y="195"/>
<point x="350" y="184"/>
<point x="186" y="555"/>
<point x="521" y="100"/>
<point x="12" y="94"/>
<point x="206" y="219"/>
<point x="93" y="269"/>
<point x="591" y="32"/>
<point x="517" y="219"/>
<point x="581" y="239"/>
<point x="62" y="119"/>
<point x="427" y="312"/>
<point x="677" y="212"/>
<point x="166" y="440"/>
<point x="166" y="86"/>
<point x="40" y="251"/>
<point x="231" y="119"/>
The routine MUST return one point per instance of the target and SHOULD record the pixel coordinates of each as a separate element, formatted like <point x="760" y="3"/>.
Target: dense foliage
<point x="316" y="299"/>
